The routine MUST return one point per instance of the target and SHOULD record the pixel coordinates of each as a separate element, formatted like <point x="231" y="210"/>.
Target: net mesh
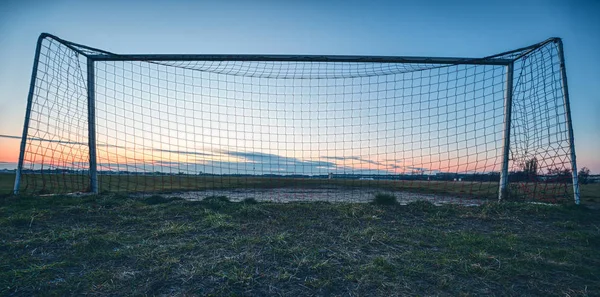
<point x="56" y="159"/>
<point x="539" y="151"/>
<point x="298" y="130"/>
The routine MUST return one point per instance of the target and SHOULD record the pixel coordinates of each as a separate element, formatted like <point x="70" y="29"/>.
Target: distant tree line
<point x="530" y="172"/>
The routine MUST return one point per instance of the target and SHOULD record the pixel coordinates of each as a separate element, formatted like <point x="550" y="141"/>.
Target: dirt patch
<point x="332" y="194"/>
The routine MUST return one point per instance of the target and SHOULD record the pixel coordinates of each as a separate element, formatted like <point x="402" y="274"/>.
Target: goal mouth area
<point x="113" y="122"/>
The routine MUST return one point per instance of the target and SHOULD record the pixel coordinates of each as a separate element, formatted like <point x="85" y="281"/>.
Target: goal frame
<point x="491" y="60"/>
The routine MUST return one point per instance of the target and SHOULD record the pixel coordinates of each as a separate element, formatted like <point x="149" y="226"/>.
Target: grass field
<point x="52" y="184"/>
<point x="38" y="184"/>
<point x="119" y="245"/>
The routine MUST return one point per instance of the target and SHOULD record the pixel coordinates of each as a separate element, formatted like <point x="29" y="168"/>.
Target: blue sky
<point x="417" y="28"/>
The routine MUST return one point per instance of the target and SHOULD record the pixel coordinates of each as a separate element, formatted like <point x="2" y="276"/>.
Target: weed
<point x="250" y="201"/>
<point x="421" y="206"/>
<point x="158" y="199"/>
<point x="384" y="199"/>
<point x="216" y="199"/>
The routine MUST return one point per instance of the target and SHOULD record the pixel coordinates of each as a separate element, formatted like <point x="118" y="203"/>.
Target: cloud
<point x="337" y="158"/>
<point x="394" y="160"/>
<point x="10" y="136"/>
<point x="264" y="158"/>
<point x="43" y="139"/>
<point x="356" y="159"/>
<point x="180" y="152"/>
<point x="255" y="163"/>
<point x="101" y="145"/>
<point x="236" y="162"/>
<point x="417" y="168"/>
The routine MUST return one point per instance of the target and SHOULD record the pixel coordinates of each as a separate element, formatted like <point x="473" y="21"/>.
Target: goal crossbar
<point x="303" y="58"/>
<point x="102" y="55"/>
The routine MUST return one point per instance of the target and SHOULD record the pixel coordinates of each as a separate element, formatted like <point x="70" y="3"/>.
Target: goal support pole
<point x="28" y="115"/>
<point x="569" y="123"/>
<point x="508" y="96"/>
<point x="93" y="174"/>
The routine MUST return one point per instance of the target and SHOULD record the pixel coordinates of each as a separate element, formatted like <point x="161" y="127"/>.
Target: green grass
<point x="118" y="245"/>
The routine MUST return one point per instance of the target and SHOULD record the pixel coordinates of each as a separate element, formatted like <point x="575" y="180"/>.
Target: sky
<point x="392" y="28"/>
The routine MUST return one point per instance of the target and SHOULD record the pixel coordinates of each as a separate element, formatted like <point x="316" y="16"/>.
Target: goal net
<point x="295" y="127"/>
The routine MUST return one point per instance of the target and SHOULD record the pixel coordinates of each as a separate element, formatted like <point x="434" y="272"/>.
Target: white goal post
<point x="498" y="126"/>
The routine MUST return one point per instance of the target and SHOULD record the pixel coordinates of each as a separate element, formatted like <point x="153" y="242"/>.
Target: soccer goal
<point x="497" y="127"/>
